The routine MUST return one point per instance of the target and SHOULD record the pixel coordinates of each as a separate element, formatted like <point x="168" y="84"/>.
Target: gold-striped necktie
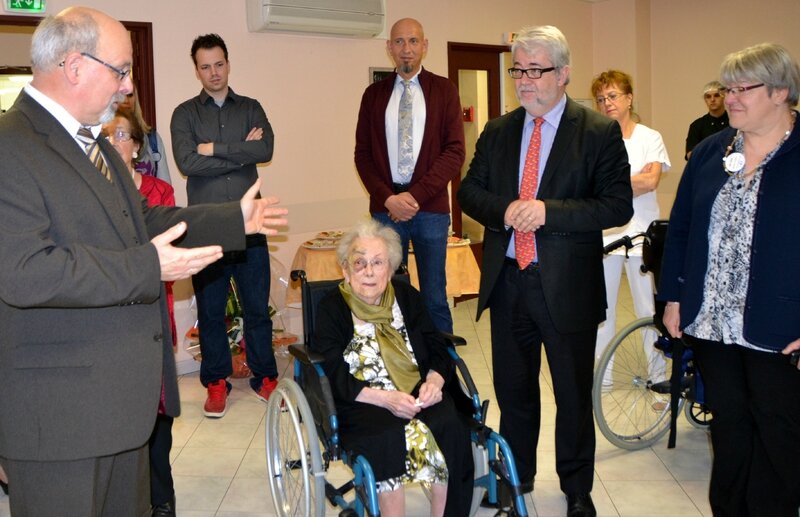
<point x="92" y="150"/>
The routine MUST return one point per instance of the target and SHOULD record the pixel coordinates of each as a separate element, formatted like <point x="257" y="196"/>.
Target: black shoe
<point x="580" y="505"/>
<point x="164" y="510"/>
<point x="4" y="486"/>
<point x="526" y="487"/>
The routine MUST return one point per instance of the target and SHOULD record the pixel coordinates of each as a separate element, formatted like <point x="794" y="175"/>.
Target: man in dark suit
<point x="409" y="146"/>
<point x="546" y="179"/>
<point x="85" y="347"/>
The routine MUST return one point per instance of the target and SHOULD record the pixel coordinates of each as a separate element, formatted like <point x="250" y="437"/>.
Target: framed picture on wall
<point x="377" y="73"/>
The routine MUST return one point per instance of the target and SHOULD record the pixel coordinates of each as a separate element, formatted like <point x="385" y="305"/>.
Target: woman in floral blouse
<point x="732" y="285"/>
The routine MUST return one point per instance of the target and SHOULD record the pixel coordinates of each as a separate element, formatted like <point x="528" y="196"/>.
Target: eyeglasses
<point x="532" y="73"/>
<point x="613" y="96"/>
<point x="121" y="74"/>
<point x="738" y="90"/>
<point x="119" y="135"/>
<point x="360" y="264"/>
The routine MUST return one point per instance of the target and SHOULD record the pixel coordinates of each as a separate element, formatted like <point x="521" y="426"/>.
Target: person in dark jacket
<point x="388" y="367"/>
<point x="730" y="280"/>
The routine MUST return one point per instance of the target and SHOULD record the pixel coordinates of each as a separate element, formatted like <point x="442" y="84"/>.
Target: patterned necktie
<point x="405" y="136"/>
<point x="525" y="242"/>
<point x="92" y="150"/>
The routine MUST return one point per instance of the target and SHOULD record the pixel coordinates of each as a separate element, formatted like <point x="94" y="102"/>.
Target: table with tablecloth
<point x="463" y="274"/>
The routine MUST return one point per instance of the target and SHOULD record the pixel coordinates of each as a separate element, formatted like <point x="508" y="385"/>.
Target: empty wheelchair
<point x="302" y="439"/>
<point x="632" y="392"/>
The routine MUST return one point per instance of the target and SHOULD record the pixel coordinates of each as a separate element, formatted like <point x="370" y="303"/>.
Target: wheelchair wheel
<point x="628" y="410"/>
<point x="294" y="461"/>
<point x="697" y="414"/>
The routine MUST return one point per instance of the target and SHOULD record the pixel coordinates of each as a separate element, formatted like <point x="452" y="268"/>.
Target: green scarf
<point x="402" y="370"/>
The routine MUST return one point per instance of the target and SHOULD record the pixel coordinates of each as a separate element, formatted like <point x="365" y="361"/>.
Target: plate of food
<point x="454" y="241"/>
<point x="330" y="235"/>
<point x="320" y="244"/>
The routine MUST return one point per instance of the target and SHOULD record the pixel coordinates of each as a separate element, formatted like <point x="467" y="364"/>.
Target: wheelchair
<point x="302" y="438"/>
<point x="633" y="396"/>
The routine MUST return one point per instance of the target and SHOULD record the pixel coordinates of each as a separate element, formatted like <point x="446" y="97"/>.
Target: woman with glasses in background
<point x="613" y="93"/>
<point x="732" y="285"/>
<point x="127" y="136"/>
<point x="152" y="159"/>
<point x="389" y="370"/>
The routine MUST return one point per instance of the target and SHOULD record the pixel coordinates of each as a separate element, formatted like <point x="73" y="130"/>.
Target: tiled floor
<point x="219" y="465"/>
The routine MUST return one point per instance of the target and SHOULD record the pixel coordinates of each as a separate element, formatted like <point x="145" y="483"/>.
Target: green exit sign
<point x="25" y="6"/>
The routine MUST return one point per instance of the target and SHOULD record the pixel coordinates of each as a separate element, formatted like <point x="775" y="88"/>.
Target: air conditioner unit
<point x="355" y="18"/>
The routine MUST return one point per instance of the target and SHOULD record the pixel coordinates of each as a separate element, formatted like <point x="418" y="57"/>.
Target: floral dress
<point x="424" y="461"/>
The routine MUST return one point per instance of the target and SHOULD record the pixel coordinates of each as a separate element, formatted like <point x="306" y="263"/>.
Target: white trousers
<point x="641" y="286"/>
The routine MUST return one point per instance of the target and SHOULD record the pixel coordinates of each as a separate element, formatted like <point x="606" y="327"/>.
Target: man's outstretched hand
<point x="259" y="214"/>
<point x="179" y="263"/>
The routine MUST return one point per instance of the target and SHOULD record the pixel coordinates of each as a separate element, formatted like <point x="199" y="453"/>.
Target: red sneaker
<point x="267" y="387"/>
<point x="215" y="405"/>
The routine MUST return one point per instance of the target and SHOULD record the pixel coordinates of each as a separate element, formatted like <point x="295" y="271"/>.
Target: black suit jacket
<point x="85" y="333"/>
<point x="586" y="188"/>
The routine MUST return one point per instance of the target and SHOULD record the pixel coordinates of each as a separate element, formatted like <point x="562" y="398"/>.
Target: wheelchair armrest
<point x="453" y="340"/>
<point x="305" y="355"/>
<point x="467" y="386"/>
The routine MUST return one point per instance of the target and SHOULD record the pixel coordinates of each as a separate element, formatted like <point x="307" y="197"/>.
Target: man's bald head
<point x="407" y="46"/>
<point x="407" y="24"/>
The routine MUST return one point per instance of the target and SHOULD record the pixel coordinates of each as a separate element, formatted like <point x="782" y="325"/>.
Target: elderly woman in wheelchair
<point x="390" y="371"/>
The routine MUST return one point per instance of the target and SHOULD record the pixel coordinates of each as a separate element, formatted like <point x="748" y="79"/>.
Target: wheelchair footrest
<point x="503" y="504"/>
<point x="664" y="387"/>
<point x="332" y="493"/>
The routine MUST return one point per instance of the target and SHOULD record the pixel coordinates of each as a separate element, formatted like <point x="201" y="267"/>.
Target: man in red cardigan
<point x="409" y="146"/>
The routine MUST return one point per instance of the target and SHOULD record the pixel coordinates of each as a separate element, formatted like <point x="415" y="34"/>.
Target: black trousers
<point x="108" y="486"/>
<point x="161" y="486"/>
<point x="755" y="432"/>
<point x="521" y="323"/>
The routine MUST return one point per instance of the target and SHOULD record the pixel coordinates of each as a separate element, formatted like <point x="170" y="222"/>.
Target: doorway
<point x="479" y="72"/>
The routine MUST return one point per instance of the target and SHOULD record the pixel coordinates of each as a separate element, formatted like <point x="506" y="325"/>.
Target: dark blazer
<point x="440" y="157"/>
<point x="586" y="188"/>
<point x="772" y="307"/>
<point x="85" y="331"/>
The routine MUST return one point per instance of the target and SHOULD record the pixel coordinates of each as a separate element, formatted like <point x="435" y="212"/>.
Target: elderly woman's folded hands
<point x="401" y="405"/>
<point x="430" y="392"/>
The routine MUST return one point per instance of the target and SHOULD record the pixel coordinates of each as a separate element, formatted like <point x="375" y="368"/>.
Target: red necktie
<point x="525" y="242"/>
